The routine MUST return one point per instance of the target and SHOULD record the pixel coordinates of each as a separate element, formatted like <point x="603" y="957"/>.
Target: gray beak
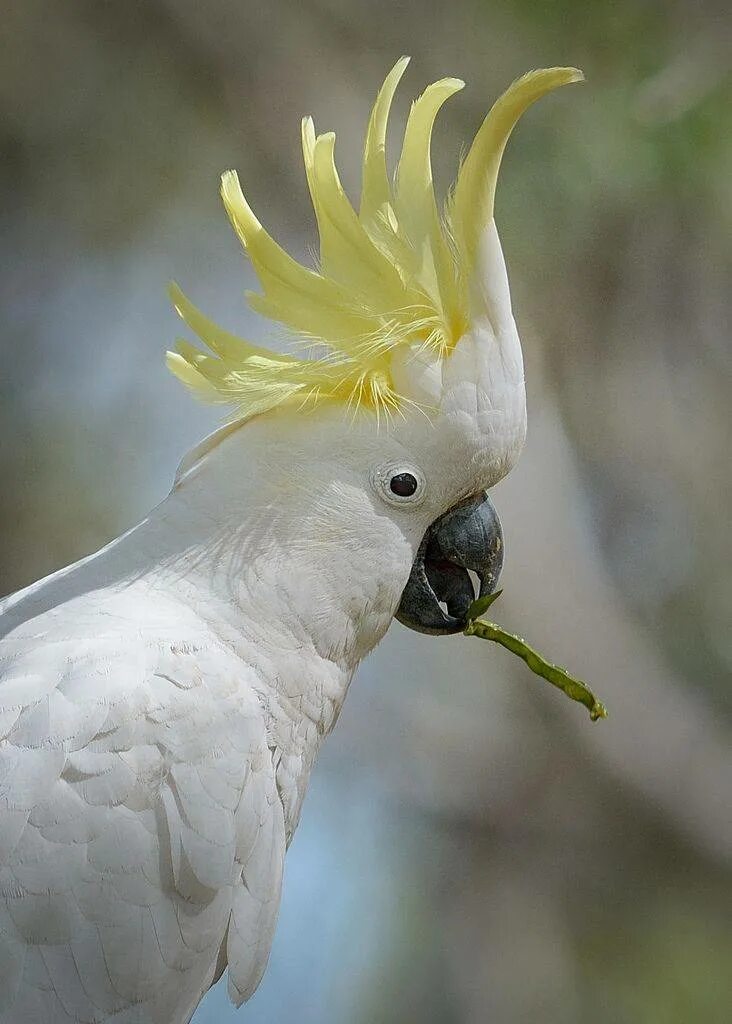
<point x="439" y="590"/>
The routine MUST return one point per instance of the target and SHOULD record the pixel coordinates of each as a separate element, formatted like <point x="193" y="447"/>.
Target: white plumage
<point x="139" y="812"/>
<point x="161" y="705"/>
<point x="163" y="701"/>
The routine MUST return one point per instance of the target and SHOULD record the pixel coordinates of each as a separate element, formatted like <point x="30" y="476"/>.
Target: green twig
<point x="553" y="674"/>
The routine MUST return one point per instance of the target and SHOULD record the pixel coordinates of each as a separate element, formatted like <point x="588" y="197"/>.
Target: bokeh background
<point x="473" y="849"/>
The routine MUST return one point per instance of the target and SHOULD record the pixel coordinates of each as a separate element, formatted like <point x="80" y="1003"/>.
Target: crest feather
<point x="375" y="185"/>
<point x="471" y="205"/>
<point x="391" y="279"/>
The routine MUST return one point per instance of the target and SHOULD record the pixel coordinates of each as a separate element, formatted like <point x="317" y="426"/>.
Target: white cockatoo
<point x="162" y="702"/>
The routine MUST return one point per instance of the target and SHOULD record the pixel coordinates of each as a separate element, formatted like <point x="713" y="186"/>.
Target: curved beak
<point x="439" y="590"/>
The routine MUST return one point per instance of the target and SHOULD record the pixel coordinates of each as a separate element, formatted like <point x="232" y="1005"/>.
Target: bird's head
<point x="378" y="447"/>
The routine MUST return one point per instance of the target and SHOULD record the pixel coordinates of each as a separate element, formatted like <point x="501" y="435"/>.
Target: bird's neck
<point x="297" y="629"/>
<point x="252" y="535"/>
<point x="251" y="581"/>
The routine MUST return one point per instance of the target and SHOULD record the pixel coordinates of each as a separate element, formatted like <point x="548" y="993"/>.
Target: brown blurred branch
<point x="661" y="740"/>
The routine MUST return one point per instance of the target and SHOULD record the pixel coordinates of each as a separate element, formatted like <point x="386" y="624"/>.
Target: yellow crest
<point x="394" y="275"/>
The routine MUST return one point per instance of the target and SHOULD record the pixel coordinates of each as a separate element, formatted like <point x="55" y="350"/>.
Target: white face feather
<point x="302" y="503"/>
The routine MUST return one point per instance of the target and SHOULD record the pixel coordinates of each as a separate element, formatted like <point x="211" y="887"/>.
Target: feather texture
<point x="392" y="279"/>
<point x="471" y="206"/>
<point x="140" y="822"/>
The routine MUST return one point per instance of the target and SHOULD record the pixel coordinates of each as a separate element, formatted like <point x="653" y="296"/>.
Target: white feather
<point x="162" y="703"/>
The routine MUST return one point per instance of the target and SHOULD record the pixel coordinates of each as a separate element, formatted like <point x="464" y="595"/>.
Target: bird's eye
<point x="403" y="484"/>
<point x="399" y="485"/>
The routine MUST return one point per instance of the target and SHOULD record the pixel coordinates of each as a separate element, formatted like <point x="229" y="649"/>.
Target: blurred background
<point x="473" y="849"/>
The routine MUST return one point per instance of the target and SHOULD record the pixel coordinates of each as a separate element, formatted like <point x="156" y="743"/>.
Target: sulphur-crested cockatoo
<point x="162" y="702"/>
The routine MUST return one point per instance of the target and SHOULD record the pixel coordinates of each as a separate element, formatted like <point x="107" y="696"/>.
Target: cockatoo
<point x="163" y="701"/>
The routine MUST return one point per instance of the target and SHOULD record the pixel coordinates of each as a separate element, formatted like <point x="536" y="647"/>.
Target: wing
<point x="141" y="835"/>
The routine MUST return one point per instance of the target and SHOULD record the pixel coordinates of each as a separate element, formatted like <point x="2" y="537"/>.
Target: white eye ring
<point x="381" y="481"/>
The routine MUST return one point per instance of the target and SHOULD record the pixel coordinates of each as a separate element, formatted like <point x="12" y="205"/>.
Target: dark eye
<point x="403" y="484"/>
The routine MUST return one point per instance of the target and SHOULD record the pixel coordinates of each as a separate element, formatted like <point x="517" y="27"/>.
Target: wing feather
<point x="141" y="832"/>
